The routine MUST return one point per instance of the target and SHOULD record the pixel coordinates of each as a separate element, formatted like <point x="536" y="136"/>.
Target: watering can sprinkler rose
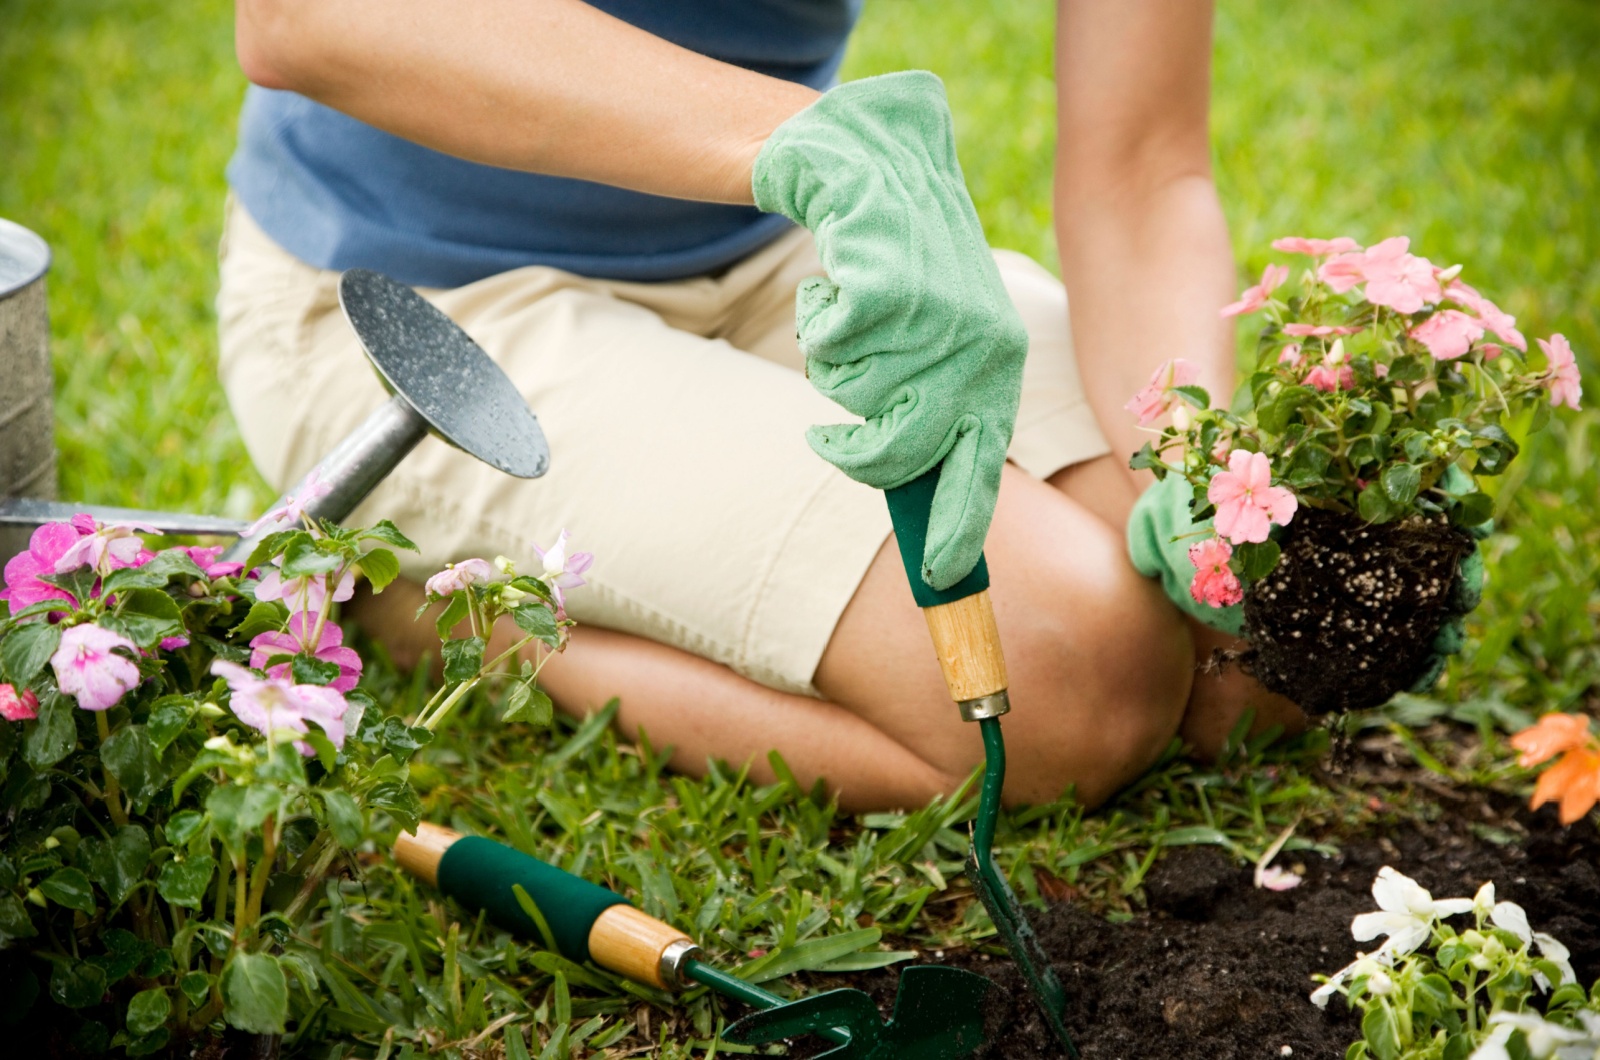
<point x="1334" y="520"/>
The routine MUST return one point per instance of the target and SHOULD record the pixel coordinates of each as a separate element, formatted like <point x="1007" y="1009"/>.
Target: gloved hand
<point x="1160" y="534"/>
<point x="911" y="329"/>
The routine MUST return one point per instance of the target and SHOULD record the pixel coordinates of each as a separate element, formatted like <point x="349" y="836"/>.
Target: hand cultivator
<point x="441" y="381"/>
<point x="938" y="1012"/>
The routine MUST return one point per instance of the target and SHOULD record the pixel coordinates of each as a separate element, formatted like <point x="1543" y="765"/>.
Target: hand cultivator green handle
<point x="938" y="1011"/>
<point x="961" y="621"/>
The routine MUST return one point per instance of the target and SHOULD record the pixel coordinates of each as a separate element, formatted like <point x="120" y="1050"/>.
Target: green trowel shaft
<point x="752" y="995"/>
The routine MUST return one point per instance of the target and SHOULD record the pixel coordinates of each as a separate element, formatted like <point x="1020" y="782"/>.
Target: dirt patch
<point x="1348" y="617"/>
<point x="1220" y="970"/>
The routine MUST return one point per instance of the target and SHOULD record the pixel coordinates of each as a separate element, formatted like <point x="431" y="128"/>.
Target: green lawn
<point x="1474" y="127"/>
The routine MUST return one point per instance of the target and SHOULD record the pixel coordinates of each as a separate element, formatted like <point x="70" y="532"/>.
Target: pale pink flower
<point x="1276" y="879"/>
<point x="1301" y="331"/>
<point x="1247" y="501"/>
<point x="308" y="592"/>
<point x="15" y="707"/>
<point x="1566" y="387"/>
<point x="1315" y="247"/>
<point x="207" y="560"/>
<point x="562" y="572"/>
<point x="87" y="666"/>
<point x="1290" y="355"/>
<point x="110" y="547"/>
<point x="297" y="641"/>
<point x="1156" y="397"/>
<point x="1448" y="334"/>
<point x="1332" y="374"/>
<point x="1214" y="582"/>
<point x="1397" y="279"/>
<point x="457" y="576"/>
<point x="1342" y="271"/>
<point x="270" y="704"/>
<point x="47" y="545"/>
<point x="294" y="506"/>
<point x="1497" y="320"/>
<point x="1253" y="298"/>
<point x="1381" y="371"/>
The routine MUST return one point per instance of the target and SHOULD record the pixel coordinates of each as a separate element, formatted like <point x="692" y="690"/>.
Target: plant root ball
<point x="1348" y="617"/>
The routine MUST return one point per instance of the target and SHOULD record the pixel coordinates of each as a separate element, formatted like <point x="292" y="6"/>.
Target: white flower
<point x="1276" y="879"/>
<point x="1483" y="901"/>
<point x="1509" y="916"/>
<point x="1558" y="955"/>
<point x="457" y="576"/>
<point x="1408" y="912"/>
<point x="1546" y="1040"/>
<point x="1366" y="964"/>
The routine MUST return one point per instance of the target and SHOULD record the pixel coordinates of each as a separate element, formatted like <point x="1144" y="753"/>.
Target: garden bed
<point x="1220" y="969"/>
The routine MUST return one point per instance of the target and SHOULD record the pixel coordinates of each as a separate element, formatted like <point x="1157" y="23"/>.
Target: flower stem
<point x="113" y="790"/>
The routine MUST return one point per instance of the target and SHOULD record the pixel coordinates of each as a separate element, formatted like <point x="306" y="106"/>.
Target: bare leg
<point x="1220" y="695"/>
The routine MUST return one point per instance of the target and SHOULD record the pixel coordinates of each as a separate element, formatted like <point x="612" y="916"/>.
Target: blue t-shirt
<point x="338" y="193"/>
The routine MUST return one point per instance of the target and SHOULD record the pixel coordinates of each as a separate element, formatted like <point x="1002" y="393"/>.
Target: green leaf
<point x="1194" y="395"/>
<point x="309" y="671"/>
<point x="808" y="955"/>
<point x="344" y="818"/>
<point x="309" y="556"/>
<point x="15" y="923"/>
<point x="1146" y="460"/>
<point x="1256" y="560"/>
<point x="1374" y="505"/>
<point x="380" y="567"/>
<point x="196" y="986"/>
<point x="397" y="797"/>
<point x="389" y="534"/>
<point x="1400" y="482"/>
<point x="271" y="545"/>
<point x="453" y="614"/>
<point x="463" y="658"/>
<point x="79" y="582"/>
<point x="400" y="739"/>
<point x="539" y="621"/>
<point x="124" y="951"/>
<point x="129" y="756"/>
<point x="27" y="648"/>
<point x="77" y="984"/>
<point x="145" y="616"/>
<point x="1381" y="1034"/>
<point x="148" y="1010"/>
<point x="184" y="826"/>
<point x="117" y="864"/>
<point x="327" y="754"/>
<point x="237" y="810"/>
<point x="1472" y="509"/>
<point x="265" y="616"/>
<point x="153" y="575"/>
<point x="69" y="887"/>
<point x="185" y="882"/>
<point x="168" y="716"/>
<point x="149" y="1044"/>
<point x="1274" y="416"/>
<point x="529" y="704"/>
<point x="255" y="993"/>
<point x="53" y="736"/>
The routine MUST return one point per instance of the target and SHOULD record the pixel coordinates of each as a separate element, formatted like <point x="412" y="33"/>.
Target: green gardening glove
<point x="911" y="329"/>
<point x="1160" y="534"/>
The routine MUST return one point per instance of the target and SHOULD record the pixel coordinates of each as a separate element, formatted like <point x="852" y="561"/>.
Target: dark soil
<point x="1348" y="617"/>
<point x="1221" y="970"/>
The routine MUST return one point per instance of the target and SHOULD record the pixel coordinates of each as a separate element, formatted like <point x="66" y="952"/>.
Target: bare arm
<point x="548" y="86"/>
<point x="1144" y="245"/>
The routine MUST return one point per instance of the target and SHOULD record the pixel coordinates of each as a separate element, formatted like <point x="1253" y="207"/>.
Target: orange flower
<point x="1553" y="735"/>
<point x="1575" y="781"/>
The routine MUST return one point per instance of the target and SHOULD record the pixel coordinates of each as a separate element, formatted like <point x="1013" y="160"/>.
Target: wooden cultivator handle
<point x="586" y="921"/>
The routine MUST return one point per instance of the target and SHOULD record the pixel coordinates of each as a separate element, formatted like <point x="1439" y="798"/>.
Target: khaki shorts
<point x="676" y="416"/>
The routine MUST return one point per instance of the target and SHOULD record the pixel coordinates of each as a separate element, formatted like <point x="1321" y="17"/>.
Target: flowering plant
<point x="1431" y="992"/>
<point x="187" y="755"/>
<point x="1375" y="377"/>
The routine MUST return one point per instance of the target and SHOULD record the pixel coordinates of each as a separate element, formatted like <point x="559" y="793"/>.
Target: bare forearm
<point x="1146" y="274"/>
<point x="547" y="86"/>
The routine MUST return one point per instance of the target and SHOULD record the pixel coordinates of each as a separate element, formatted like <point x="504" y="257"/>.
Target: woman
<point x="576" y="185"/>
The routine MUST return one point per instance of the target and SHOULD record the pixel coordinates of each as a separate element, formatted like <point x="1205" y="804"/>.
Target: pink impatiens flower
<point x="1396" y="278"/>
<point x="297" y="640"/>
<point x="294" y="506"/>
<point x="1253" y="298"/>
<point x="1566" y="387"/>
<point x="15" y="707"/>
<point x="1448" y="334"/>
<point x="1156" y="397"/>
<point x="1301" y="331"/>
<point x="1214" y="583"/>
<point x="88" y="667"/>
<point x="1290" y="355"/>
<point x="1315" y="247"/>
<point x="270" y="704"/>
<point x="306" y="593"/>
<point x="1497" y="320"/>
<point x="457" y="576"/>
<point x="47" y="545"/>
<point x="207" y="560"/>
<point x="562" y="572"/>
<point x="111" y="547"/>
<point x="1247" y="501"/>
<point x="1331" y="375"/>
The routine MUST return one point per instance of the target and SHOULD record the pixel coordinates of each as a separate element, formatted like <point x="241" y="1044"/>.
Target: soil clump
<point x="1348" y="617"/>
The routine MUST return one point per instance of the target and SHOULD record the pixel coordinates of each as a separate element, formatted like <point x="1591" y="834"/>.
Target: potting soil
<point x="1348" y="617"/>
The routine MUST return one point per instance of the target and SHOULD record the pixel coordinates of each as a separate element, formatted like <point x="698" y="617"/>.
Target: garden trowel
<point x="938" y="1011"/>
<point x="440" y="381"/>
